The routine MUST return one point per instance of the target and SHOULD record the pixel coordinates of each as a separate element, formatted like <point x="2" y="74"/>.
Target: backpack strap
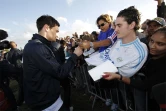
<point x="36" y="40"/>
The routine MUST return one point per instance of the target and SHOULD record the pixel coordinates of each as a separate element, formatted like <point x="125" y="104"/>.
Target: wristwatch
<point x="91" y="44"/>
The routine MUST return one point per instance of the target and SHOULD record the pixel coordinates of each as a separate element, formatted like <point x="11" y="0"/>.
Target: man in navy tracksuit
<point x="42" y="72"/>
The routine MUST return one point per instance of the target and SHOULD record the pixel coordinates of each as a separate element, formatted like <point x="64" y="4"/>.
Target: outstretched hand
<point x="110" y="76"/>
<point x="85" y="45"/>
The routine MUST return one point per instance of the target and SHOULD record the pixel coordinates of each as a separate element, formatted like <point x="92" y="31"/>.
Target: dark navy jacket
<point x="13" y="55"/>
<point x="42" y="73"/>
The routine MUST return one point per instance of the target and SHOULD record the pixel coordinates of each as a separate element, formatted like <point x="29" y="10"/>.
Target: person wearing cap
<point x="153" y="25"/>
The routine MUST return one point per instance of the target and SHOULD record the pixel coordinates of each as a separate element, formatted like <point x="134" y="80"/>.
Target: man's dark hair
<point x="3" y="34"/>
<point x="46" y="19"/>
<point x="131" y="14"/>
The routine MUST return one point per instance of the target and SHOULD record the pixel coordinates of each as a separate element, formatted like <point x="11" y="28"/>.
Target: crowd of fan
<point x="11" y="65"/>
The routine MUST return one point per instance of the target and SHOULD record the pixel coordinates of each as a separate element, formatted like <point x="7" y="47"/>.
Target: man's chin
<point x="54" y="40"/>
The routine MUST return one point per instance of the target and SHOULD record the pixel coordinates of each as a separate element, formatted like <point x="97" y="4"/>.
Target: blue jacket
<point x="42" y="73"/>
<point x="109" y="34"/>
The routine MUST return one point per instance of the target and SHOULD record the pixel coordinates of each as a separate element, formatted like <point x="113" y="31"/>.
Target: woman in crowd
<point x="107" y="34"/>
<point x="154" y="69"/>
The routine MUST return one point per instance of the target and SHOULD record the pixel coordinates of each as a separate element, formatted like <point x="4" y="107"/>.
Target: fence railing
<point x="82" y="79"/>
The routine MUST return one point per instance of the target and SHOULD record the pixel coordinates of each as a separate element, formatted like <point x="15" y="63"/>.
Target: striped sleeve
<point x="137" y="62"/>
<point x="112" y="36"/>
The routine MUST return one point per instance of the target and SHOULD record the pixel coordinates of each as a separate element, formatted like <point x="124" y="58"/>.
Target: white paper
<point x="86" y="53"/>
<point x="97" y="52"/>
<point x="94" y="60"/>
<point x="66" y="58"/>
<point x="97" y="72"/>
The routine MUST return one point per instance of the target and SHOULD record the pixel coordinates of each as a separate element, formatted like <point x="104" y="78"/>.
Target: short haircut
<point x="131" y="14"/>
<point x="46" y="19"/>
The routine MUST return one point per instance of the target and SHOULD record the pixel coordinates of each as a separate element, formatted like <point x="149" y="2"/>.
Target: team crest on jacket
<point x="119" y="59"/>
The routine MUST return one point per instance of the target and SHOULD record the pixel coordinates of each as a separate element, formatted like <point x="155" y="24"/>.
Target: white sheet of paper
<point x="97" y="72"/>
<point x="66" y="58"/>
<point x="97" y="52"/>
<point x="94" y="59"/>
<point x="91" y="51"/>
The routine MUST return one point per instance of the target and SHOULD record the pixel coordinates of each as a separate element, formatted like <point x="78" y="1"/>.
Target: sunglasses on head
<point x="101" y="25"/>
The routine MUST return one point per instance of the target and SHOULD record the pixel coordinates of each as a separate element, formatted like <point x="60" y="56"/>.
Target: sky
<point x="18" y="17"/>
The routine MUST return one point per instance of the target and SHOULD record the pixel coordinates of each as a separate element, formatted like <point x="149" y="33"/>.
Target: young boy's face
<point x="122" y="27"/>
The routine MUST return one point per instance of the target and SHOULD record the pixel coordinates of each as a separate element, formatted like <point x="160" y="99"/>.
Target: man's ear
<point x="132" y="25"/>
<point x="46" y="27"/>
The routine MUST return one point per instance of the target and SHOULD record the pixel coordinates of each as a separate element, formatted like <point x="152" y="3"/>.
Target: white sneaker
<point x="108" y="102"/>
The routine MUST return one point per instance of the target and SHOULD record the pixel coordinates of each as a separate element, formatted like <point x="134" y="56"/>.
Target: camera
<point x="4" y="44"/>
<point x="3" y="34"/>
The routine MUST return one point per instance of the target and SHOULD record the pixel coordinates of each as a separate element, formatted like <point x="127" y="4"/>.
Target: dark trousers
<point x="126" y="95"/>
<point x="132" y="98"/>
<point x="140" y="97"/>
<point x="111" y="87"/>
<point x="65" y="83"/>
<point x="6" y="69"/>
<point x="9" y="94"/>
<point x="20" y="99"/>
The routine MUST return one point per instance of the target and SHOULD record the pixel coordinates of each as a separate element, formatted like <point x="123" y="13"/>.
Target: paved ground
<point x="80" y="99"/>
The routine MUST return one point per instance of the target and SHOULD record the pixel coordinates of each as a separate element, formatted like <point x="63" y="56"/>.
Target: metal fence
<point x="81" y="79"/>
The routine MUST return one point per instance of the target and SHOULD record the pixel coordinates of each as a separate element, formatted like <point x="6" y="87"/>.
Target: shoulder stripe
<point x="141" y="52"/>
